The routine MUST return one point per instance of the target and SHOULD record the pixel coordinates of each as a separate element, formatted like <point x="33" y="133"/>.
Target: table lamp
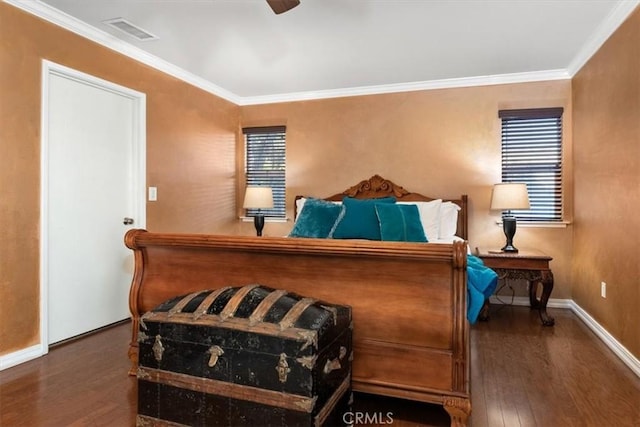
<point x="258" y="197"/>
<point x="505" y="197"/>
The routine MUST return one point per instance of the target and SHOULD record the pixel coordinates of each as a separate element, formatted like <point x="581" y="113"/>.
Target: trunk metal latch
<point x="283" y="368"/>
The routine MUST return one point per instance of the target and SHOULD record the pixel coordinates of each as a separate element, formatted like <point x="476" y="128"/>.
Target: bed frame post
<point x="462" y="230"/>
<point x="134" y="293"/>
<point x="459" y="408"/>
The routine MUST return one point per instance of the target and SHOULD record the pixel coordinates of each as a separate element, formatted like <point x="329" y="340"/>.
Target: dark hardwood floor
<point x="522" y="374"/>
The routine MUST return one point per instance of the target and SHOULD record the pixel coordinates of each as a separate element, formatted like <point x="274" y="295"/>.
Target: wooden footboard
<point x="411" y="336"/>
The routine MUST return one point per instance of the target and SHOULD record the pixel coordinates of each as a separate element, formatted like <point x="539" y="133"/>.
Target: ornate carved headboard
<point x="377" y="187"/>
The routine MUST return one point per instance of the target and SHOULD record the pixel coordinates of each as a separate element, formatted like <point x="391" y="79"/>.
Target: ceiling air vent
<point x="132" y="30"/>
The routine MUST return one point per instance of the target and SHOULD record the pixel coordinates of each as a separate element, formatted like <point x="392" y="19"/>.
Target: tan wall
<point x="438" y="142"/>
<point x="191" y="139"/>
<point x="606" y="98"/>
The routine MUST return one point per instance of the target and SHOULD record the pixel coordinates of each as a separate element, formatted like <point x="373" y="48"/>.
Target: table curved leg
<point x="533" y="294"/>
<point x="547" y="287"/>
<point x="484" y="311"/>
<point x="546" y="279"/>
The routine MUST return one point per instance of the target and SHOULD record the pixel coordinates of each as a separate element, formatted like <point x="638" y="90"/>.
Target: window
<point x="265" y="165"/>
<point x="532" y="154"/>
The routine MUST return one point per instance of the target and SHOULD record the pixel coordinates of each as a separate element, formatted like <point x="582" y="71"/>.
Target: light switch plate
<point x="153" y="194"/>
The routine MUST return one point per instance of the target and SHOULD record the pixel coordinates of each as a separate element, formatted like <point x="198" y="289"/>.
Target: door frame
<point x="49" y="69"/>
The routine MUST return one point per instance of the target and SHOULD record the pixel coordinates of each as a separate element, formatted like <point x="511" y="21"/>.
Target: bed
<point x="409" y="299"/>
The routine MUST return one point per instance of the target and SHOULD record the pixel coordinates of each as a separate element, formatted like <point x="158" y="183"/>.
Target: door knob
<point x="127" y="221"/>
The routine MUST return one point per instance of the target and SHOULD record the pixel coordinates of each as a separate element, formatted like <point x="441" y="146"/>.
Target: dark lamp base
<point x="258" y="221"/>
<point x="509" y="228"/>
<point x="510" y="248"/>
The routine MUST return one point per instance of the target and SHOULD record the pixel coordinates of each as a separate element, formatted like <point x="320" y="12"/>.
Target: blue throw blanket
<point x="481" y="283"/>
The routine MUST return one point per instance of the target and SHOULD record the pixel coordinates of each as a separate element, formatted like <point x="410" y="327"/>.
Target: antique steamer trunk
<point x="248" y="355"/>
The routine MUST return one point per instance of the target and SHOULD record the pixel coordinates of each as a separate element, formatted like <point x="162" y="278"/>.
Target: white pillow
<point x="299" y="206"/>
<point x="448" y="220"/>
<point x="429" y="217"/>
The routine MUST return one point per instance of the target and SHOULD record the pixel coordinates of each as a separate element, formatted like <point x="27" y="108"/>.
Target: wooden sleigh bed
<point x="411" y="334"/>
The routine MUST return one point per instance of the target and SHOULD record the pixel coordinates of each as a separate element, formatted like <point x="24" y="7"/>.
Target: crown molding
<point x="615" y="18"/>
<point x="50" y="14"/>
<point x="68" y="22"/>
<point x="497" y="79"/>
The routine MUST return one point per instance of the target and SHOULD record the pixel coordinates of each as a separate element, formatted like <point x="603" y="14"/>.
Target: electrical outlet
<point x="603" y="289"/>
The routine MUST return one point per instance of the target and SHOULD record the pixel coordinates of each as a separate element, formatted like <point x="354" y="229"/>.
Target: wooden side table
<point x="530" y="265"/>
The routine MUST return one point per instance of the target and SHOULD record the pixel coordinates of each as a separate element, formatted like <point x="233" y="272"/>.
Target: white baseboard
<point x="614" y="345"/>
<point x="618" y="349"/>
<point x="21" y="356"/>
<point x="552" y="303"/>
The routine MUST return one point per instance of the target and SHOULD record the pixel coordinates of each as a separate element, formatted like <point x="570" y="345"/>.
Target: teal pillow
<point x="358" y="219"/>
<point x="316" y="219"/>
<point x="400" y="223"/>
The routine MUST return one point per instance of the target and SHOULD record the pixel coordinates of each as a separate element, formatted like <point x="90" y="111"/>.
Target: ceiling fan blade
<point x="280" y="6"/>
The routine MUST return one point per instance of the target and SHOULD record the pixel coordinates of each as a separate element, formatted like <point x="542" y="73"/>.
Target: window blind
<point x="265" y="165"/>
<point x="532" y="154"/>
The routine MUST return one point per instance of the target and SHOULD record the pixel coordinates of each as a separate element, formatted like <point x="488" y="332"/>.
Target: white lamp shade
<point x="507" y="196"/>
<point x="258" y="197"/>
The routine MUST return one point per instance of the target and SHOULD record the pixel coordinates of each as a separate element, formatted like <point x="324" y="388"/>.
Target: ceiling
<point x="242" y="51"/>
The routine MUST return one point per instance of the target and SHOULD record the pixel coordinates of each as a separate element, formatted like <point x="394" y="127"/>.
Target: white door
<point x="93" y="178"/>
